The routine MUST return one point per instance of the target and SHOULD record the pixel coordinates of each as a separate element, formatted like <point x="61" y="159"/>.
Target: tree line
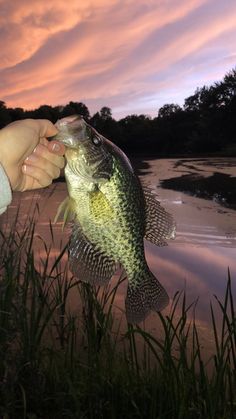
<point x="206" y="124"/>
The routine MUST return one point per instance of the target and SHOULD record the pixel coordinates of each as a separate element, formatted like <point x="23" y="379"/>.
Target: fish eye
<point x="96" y="141"/>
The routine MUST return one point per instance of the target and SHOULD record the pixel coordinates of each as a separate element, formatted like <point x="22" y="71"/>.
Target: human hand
<point x="28" y="158"/>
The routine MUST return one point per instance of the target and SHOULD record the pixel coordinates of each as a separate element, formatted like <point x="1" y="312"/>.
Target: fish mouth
<point x="71" y="131"/>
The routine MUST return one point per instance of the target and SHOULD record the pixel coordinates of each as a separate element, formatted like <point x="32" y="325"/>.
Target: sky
<point x="133" y="56"/>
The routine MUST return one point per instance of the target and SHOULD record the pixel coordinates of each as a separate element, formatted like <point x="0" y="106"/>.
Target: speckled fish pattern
<point x="112" y="215"/>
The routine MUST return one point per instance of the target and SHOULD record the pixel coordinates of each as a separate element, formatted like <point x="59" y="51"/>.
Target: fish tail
<point x="148" y="295"/>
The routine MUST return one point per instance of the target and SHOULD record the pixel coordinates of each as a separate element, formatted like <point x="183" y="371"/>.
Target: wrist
<point x="5" y="188"/>
<point x="3" y="146"/>
<point x="5" y="152"/>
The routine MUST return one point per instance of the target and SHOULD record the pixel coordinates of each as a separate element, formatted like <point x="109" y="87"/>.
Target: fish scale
<point x="123" y="228"/>
<point x="112" y="214"/>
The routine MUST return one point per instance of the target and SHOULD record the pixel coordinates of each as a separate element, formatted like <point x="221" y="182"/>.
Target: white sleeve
<point x="5" y="191"/>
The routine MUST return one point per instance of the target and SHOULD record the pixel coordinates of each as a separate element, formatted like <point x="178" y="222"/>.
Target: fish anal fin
<point x="87" y="262"/>
<point x="148" y="295"/>
<point x="160" y="225"/>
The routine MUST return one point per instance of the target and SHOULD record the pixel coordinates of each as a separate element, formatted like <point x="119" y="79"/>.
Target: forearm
<point x="5" y="191"/>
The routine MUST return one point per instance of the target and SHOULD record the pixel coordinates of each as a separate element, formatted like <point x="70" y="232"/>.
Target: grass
<point x="55" y="363"/>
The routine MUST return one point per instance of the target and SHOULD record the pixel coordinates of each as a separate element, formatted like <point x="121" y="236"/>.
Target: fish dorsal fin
<point x="99" y="205"/>
<point x="160" y="225"/>
<point x="87" y="261"/>
<point x="66" y="210"/>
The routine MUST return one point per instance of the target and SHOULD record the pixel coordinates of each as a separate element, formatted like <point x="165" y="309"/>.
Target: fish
<point x="111" y="214"/>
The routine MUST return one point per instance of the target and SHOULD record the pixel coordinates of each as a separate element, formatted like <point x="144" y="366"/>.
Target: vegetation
<point x="204" y="125"/>
<point x="58" y="364"/>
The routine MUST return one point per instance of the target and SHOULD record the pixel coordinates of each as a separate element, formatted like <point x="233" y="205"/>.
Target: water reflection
<point x="219" y="187"/>
<point x="197" y="260"/>
<point x="205" y="244"/>
<point x="210" y="178"/>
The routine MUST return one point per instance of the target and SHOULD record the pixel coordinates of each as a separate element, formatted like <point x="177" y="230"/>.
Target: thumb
<point x="57" y="148"/>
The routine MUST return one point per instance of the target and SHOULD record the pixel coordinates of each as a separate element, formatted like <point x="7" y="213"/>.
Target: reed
<point x="56" y="363"/>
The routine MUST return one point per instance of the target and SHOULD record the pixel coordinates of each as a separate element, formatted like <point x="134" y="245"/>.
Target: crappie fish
<point x="112" y="214"/>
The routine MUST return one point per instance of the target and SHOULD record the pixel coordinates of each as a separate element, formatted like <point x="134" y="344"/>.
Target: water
<point x="204" y="248"/>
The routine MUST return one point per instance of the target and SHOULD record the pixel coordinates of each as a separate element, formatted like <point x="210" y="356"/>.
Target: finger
<point x="46" y="128"/>
<point x="39" y="175"/>
<point x="46" y="165"/>
<point x="57" y="148"/>
<point x="44" y="141"/>
<point x="43" y="127"/>
<point x="43" y="151"/>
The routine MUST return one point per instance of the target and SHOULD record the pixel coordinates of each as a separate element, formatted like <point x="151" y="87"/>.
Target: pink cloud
<point x="96" y="51"/>
<point x="26" y="28"/>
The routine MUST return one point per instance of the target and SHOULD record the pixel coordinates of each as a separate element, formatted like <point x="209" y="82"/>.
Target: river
<point x="198" y="259"/>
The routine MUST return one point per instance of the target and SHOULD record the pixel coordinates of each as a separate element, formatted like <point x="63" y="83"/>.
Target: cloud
<point x="130" y="57"/>
<point x="25" y="28"/>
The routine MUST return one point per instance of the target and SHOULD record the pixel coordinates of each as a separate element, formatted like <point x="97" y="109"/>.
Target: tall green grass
<point x="59" y="363"/>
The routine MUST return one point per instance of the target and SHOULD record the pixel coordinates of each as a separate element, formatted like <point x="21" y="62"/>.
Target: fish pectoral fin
<point x="148" y="295"/>
<point x="87" y="261"/>
<point x="160" y="225"/>
<point x="65" y="209"/>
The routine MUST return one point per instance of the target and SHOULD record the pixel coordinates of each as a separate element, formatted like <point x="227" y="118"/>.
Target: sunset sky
<point x="131" y="55"/>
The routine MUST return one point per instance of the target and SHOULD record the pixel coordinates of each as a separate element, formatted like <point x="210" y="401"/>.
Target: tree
<point x="5" y="117"/>
<point x="46" y="112"/>
<point x="192" y="103"/>
<point x="168" y="110"/>
<point x="2" y="105"/>
<point x="75" y="108"/>
<point x="105" y="113"/>
<point x="106" y="125"/>
<point x="16" y="113"/>
<point x="136" y="131"/>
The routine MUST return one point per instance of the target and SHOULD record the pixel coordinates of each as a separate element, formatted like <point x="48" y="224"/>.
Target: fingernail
<point x="56" y="147"/>
<point x="31" y="158"/>
<point x="27" y="169"/>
